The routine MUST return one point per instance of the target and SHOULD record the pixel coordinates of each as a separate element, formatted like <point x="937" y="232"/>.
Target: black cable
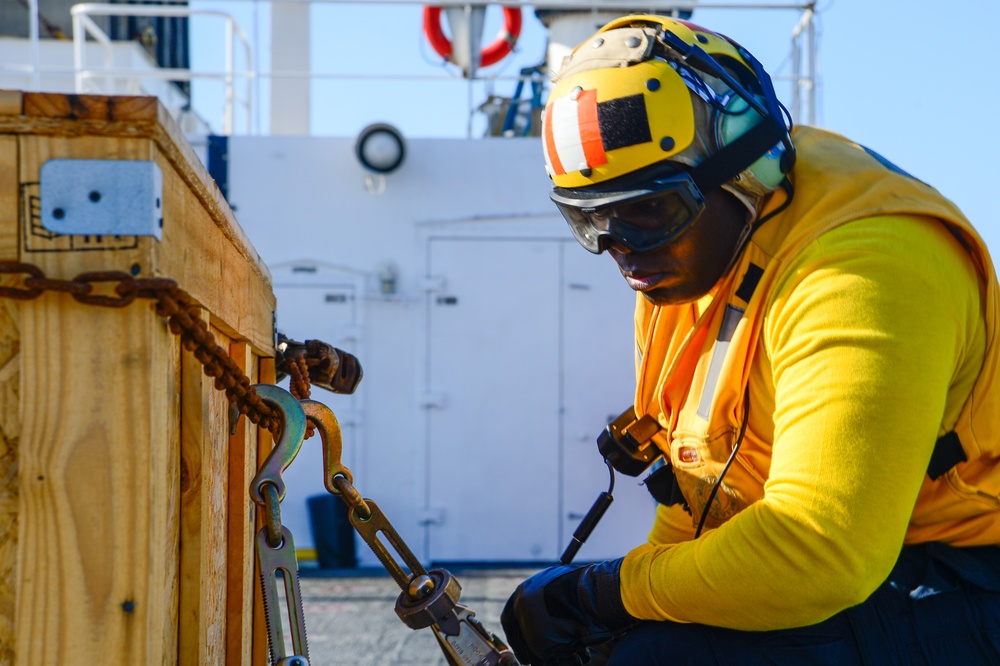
<point x="590" y="521"/>
<point x="789" y="189"/>
<point x="732" y="457"/>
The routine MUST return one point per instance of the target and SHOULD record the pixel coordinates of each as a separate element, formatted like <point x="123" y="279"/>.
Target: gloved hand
<point x="560" y="611"/>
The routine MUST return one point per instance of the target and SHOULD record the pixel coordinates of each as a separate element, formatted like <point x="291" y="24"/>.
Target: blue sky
<point x="913" y="79"/>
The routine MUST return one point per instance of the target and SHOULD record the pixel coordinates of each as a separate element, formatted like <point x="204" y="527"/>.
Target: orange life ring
<point x="491" y="54"/>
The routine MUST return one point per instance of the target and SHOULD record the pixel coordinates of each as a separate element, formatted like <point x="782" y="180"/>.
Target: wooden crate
<point x="125" y="524"/>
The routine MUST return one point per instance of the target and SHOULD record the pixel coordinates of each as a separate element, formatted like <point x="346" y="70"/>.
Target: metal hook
<point x="293" y="431"/>
<point x="333" y="443"/>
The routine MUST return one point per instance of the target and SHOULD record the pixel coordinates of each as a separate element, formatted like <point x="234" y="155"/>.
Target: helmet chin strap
<point x="741" y="242"/>
<point x="743" y="198"/>
<point x="753" y="222"/>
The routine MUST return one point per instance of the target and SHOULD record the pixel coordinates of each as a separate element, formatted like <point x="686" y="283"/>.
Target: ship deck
<point x="350" y="617"/>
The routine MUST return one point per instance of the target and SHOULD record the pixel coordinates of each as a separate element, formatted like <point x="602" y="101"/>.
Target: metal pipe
<point x="83" y="25"/>
<point x="36" y="58"/>
<point x="229" y="115"/>
<point x="79" y="39"/>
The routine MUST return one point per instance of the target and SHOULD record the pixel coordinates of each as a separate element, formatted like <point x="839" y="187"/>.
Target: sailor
<point x="816" y="339"/>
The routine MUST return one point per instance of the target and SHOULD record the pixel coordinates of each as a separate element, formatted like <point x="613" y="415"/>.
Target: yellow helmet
<point x="651" y="95"/>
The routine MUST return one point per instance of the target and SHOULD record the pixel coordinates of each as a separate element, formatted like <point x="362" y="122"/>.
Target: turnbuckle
<point x="428" y="599"/>
<point x="275" y="547"/>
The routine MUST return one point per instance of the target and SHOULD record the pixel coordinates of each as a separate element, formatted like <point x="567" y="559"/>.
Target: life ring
<point x="491" y="54"/>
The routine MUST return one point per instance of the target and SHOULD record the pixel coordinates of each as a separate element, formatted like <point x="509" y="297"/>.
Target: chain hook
<point x="335" y="473"/>
<point x="293" y="430"/>
<point x="275" y="547"/>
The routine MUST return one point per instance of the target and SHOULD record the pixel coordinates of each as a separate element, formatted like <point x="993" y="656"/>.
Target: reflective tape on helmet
<point x="573" y="133"/>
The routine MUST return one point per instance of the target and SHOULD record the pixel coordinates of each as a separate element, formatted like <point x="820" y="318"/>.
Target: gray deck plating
<point x="350" y="619"/>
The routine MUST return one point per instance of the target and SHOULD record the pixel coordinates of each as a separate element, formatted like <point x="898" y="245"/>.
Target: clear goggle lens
<point x="641" y="221"/>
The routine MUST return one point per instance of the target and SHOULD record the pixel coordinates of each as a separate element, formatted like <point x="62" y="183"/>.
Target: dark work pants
<point x="939" y="606"/>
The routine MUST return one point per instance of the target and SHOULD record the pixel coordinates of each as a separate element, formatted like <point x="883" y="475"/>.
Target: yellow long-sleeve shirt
<point x="872" y="339"/>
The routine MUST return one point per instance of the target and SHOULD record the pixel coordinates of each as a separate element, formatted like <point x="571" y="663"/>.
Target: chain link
<point x="272" y="514"/>
<point x="173" y="303"/>
<point x="298" y="384"/>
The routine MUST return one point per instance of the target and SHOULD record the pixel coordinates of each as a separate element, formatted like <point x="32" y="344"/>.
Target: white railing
<point x="84" y="25"/>
<point x="89" y="77"/>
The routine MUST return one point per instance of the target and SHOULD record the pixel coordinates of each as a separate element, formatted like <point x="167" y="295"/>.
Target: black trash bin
<point x="332" y="532"/>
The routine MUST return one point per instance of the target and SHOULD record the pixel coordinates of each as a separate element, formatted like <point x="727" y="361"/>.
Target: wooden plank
<point x="214" y="270"/>
<point x="11" y="102"/>
<point x="240" y="582"/>
<point x="8" y="197"/>
<point x="110" y="108"/>
<point x="264" y="445"/>
<point x="10" y="434"/>
<point x="165" y="564"/>
<point x="203" y="510"/>
<point x="97" y="561"/>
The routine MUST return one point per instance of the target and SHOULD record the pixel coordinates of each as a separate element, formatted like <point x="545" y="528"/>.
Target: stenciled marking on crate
<point x="39" y="239"/>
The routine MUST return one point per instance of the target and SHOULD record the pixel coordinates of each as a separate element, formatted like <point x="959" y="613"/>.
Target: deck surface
<point x="350" y="619"/>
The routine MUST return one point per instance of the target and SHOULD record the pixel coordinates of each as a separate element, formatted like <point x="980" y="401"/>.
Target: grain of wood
<point x="240" y="582"/>
<point x="108" y="108"/>
<point x="11" y="102"/>
<point x="264" y="445"/>
<point x="96" y="576"/>
<point x="8" y="197"/>
<point x="203" y="514"/>
<point x="10" y="433"/>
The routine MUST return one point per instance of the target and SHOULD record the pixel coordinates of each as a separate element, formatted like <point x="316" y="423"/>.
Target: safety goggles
<point x="640" y="219"/>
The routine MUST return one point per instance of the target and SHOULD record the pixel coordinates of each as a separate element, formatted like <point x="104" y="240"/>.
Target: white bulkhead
<point x="495" y="349"/>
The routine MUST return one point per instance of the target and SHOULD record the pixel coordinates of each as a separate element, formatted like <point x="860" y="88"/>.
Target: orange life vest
<point x="694" y="361"/>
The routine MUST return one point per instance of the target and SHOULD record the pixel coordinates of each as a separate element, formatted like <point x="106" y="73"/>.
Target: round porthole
<point x="380" y="148"/>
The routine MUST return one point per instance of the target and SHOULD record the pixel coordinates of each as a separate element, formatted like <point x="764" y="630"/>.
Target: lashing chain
<point x="314" y="360"/>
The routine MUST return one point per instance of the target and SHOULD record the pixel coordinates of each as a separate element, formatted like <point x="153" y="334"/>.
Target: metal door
<point x="492" y="391"/>
<point x="313" y="304"/>
<point x="598" y="377"/>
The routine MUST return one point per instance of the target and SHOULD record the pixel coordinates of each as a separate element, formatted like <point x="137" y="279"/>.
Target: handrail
<point x="803" y="75"/>
<point x="84" y="25"/>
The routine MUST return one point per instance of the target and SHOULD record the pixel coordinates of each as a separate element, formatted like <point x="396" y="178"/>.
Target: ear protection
<point x="746" y="127"/>
<point x="733" y="122"/>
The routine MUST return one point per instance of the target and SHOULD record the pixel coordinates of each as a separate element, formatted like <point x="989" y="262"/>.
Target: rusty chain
<point x="183" y="319"/>
<point x="298" y="384"/>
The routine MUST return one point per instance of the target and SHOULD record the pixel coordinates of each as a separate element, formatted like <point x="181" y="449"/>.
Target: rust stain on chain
<point x="298" y="385"/>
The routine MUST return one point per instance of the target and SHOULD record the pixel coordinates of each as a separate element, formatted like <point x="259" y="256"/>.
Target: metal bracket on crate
<point x="102" y="197"/>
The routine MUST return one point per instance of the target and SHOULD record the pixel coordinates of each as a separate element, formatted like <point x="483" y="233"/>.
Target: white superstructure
<point x="494" y="348"/>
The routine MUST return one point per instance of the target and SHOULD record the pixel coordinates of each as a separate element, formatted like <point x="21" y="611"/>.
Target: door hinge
<point x="433" y="399"/>
<point x="432" y="515"/>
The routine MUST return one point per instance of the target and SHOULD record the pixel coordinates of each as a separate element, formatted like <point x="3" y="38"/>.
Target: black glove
<point x="560" y="611"/>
